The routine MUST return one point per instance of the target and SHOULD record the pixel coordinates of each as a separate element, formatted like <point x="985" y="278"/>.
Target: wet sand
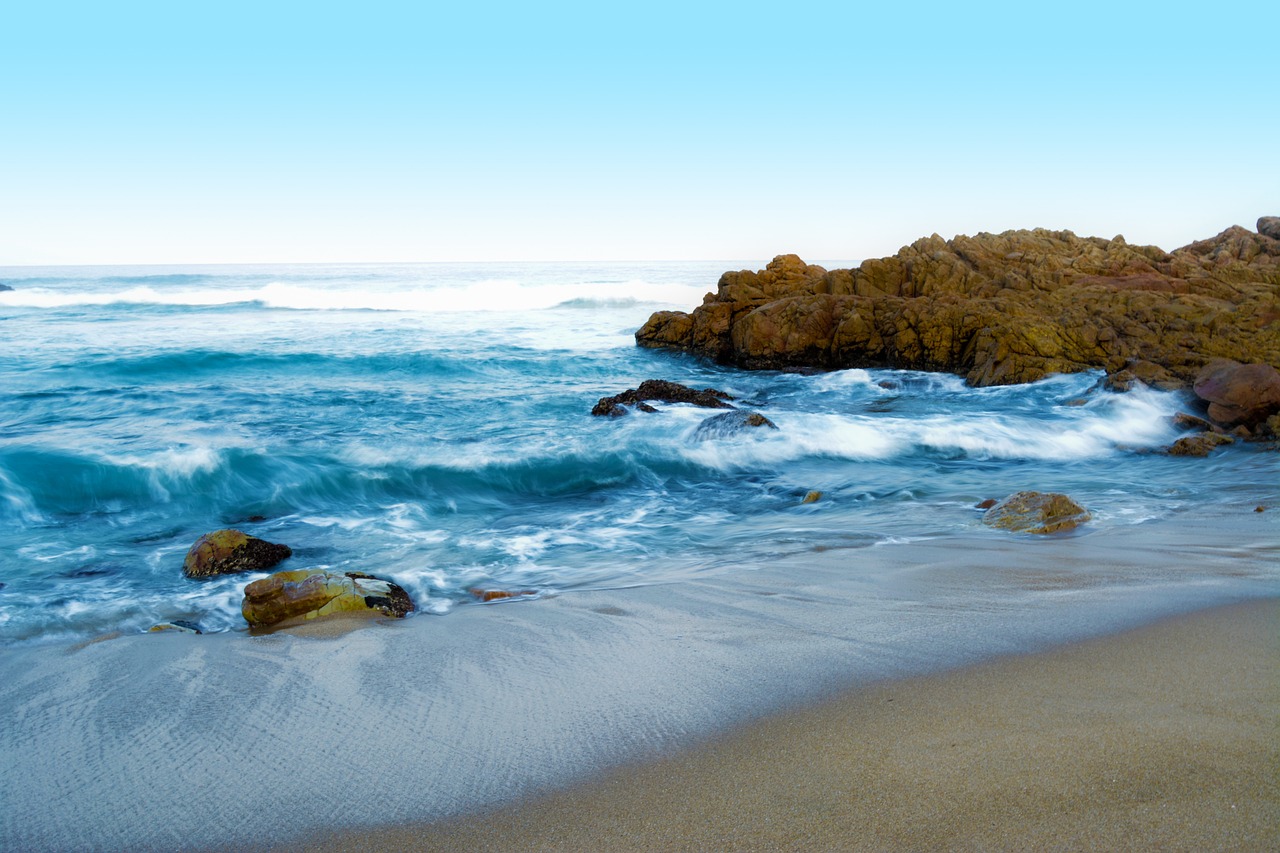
<point x="1166" y="737"/>
<point x="233" y="742"/>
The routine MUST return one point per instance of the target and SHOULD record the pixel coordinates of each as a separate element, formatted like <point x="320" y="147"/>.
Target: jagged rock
<point x="1036" y="512"/>
<point x="288" y="598"/>
<point x="1269" y="226"/>
<point x="1245" y="394"/>
<point x="1198" y="445"/>
<point x="663" y="391"/>
<point x="182" y="626"/>
<point x="730" y="423"/>
<point x="224" y="552"/>
<point x="999" y="309"/>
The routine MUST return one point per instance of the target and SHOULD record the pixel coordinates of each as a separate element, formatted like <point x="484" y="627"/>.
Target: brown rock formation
<point x="1198" y="445"/>
<point x="225" y="552"/>
<point x="288" y="598"/>
<point x="1245" y="394"/>
<point x="1036" y="512"/>
<point x="1000" y="309"/>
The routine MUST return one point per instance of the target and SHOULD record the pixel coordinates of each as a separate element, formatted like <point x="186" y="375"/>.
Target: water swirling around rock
<point x="446" y="445"/>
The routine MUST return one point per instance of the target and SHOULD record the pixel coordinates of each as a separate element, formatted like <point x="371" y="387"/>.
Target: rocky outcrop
<point x="731" y="423"/>
<point x="289" y="598"/>
<point x="1036" y="512"/>
<point x="1269" y="226"/>
<point x="225" y="552"/>
<point x="1239" y="394"/>
<point x="662" y="391"/>
<point x="1000" y="309"/>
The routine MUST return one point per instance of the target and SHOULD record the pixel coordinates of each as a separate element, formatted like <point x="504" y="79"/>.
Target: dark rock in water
<point x="663" y="391"/>
<point x="1198" y="445"/>
<point x="987" y="504"/>
<point x="290" y="598"/>
<point x="224" y="552"/>
<point x="182" y="626"/>
<point x="999" y="309"/>
<point x="1187" y="422"/>
<point x="1036" y="512"/>
<point x="610" y="407"/>
<point x="1141" y="372"/>
<point x="1269" y="226"/>
<point x="1245" y="394"/>
<point x="730" y="423"/>
<point x="4" y="287"/>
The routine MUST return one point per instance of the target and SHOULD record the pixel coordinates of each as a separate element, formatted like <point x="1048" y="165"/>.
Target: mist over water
<point x="430" y="423"/>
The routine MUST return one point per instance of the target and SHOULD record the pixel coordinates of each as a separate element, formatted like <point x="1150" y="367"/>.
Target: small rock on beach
<point x="287" y="598"/>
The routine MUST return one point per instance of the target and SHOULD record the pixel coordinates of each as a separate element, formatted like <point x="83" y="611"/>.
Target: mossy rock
<point x="225" y="552"/>
<point x="1036" y="512"/>
<point x="287" y="598"/>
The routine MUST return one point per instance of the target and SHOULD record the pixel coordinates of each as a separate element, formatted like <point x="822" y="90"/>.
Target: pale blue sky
<point x="227" y="132"/>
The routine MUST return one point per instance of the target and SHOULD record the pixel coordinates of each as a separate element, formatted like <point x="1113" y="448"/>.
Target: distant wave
<point x="481" y="296"/>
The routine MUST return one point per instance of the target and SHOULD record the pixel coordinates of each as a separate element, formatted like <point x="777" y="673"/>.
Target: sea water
<point x="431" y="424"/>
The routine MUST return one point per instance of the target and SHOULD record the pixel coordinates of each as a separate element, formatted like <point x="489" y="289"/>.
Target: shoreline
<point x="229" y="741"/>
<point x="1161" y="737"/>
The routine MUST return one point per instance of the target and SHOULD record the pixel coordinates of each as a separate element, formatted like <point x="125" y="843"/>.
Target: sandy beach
<point x="1161" y="737"/>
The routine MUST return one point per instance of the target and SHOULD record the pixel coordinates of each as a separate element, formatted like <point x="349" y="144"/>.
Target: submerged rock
<point x="181" y="626"/>
<point x="731" y="423"/>
<point x="4" y="287"/>
<point x="487" y="595"/>
<point x="1000" y="309"/>
<point x="1036" y="512"/>
<point x="1239" y="394"/>
<point x="987" y="504"/>
<point x="663" y="391"/>
<point x="812" y="497"/>
<point x="1198" y="445"/>
<point x="225" y="552"/>
<point x="287" y="598"/>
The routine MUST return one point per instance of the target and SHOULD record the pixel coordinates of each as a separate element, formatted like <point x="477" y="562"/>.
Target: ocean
<point x="430" y="423"/>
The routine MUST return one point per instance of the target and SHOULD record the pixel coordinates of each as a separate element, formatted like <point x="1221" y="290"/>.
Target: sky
<point x="362" y="132"/>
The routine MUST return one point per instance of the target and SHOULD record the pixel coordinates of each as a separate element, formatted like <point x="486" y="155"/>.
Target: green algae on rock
<point x="287" y="598"/>
<point x="225" y="552"/>
<point x="1036" y="512"/>
<point x="1000" y="309"/>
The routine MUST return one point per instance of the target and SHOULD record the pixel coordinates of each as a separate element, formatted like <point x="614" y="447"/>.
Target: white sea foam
<point x="489" y="295"/>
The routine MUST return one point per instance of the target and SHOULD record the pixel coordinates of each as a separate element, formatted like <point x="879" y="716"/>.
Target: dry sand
<point x="1162" y="738"/>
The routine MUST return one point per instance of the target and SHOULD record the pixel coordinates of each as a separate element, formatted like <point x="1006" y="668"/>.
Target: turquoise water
<point x="430" y="423"/>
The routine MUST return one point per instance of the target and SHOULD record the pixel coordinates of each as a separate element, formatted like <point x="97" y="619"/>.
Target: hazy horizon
<point x="153" y="135"/>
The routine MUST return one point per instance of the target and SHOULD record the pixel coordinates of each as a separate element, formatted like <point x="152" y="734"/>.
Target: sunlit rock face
<point x="1000" y="309"/>
<point x="288" y="598"/>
